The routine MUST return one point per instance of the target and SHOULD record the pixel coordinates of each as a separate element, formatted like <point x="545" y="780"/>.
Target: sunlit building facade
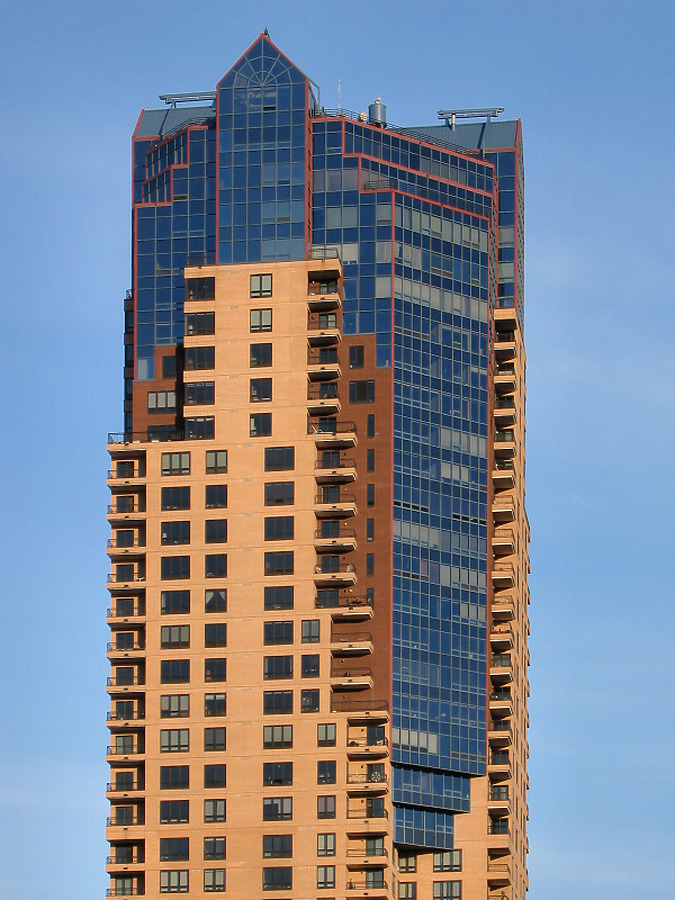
<point x="319" y="548"/>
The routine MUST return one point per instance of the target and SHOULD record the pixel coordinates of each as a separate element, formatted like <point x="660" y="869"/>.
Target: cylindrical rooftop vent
<point x="377" y="114"/>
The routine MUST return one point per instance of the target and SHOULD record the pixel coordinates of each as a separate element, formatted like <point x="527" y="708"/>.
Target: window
<point x="448" y="861"/>
<point x="277" y="736"/>
<point x="175" y="463"/>
<point x="325" y="877"/>
<point x="447" y="890"/>
<point x="161" y="401"/>
<point x="216" y="496"/>
<point x="175" y="532"/>
<point x="200" y="358"/>
<point x="326" y="771"/>
<point x="174" y="848"/>
<point x="279" y="563"/>
<point x="215" y="531"/>
<point x="279" y="528"/>
<point x="311" y="630"/>
<point x="374" y="878"/>
<point x="361" y="391"/>
<point x="174" y="778"/>
<point x="279" y="597"/>
<point x="200" y="323"/>
<point x="200" y="393"/>
<point x="370" y="564"/>
<point x="125" y="675"/>
<point x="201" y="288"/>
<point x="261" y="320"/>
<point x="325" y="844"/>
<point x="326" y="735"/>
<point x="175" y="671"/>
<point x="215" y="565"/>
<point x="370" y="596"/>
<point x="122" y="884"/>
<point x="175" y="635"/>
<point x="214" y="848"/>
<point x="356" y="357"/>
<point x="277" y="703"/>
<point x="215" y="601"/>
<point x="215" y="669"/>
<point x="279" y="459"/>
<point x="325" y="807"/>
<point x="169" y="366"/>
<point x="309" y="701"/>
<point x="279" y="493"/>
<point x="370" y="529"/>
<point x="370" y="426"/>
<point x="310" y="665"/>
<point x="176" y="497"/>
<point x="215" y="810"/>
<point x="174" y="811"/>
<point x="278" y="773"/>
<point x="277" y="667"/>
<point x="370" y="495"/>
<point x="260" y="390"/>
<point x="200" y="428"/>
<point x="125" y="537"/>
<point x="214" y="880"/>
<point x="216" y="462"/>
<point x="215" y="635"/>
<point x="215" y="704"/>
<point x="277" y="846"/>
<point x="370" y="460"/>
<point x="174" y="740"/>
<point x="407" y="890"/>
<point x="260" y="424"/>
<point x="175" y="567"/>
<point x="215" y="776"/>
<point x="261" y="285"/>
<point x="407" y="862"/>
<point x="261" y="356"/>
<point x="275" y="808"/>
<point x="278" y="878"/>
<point x="278" y="633"/>
<point x="375" y="846"/>
<point x="174" y="706"/>
<point x="175" y="881"/>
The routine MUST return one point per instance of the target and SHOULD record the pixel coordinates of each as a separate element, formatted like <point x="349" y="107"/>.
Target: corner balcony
<point x="360" y="784"/>
<point x="322" y="399"/>
<point x="334" y="576"/>
<point x="501" y="668"/>
<point x="351" y="679"/>
<point x="503" y="542"/>
<point x="499" y="764"/>
<point x="501" y="702"/>
<point x="130" y="511"/>
<point x="501" y="638"/>
<point x="123" y="612"/>
<point x="323" y="330"/>
<point x="333" y="435"/>
<point x="335" y="471"/>
<point x="344" y="606"/>
<point x="340" y="540"/>
<point x="124" y="650"/>
<point x="117" y="754"/>
<point x="122" y="685"/>
<point x="503" y="608"/>
<point x="364" y="747"/>
<point x="499" y="733"/>
<point x="367" y="889"/>
<point x="117" y="719"/>
<point x="503" y="509"/>
<point x="323" y="364"/>
<point x="503" y="475"/>
<point x="504" y="374"/>
<point x="504" y="411"/>
<point x="355" y="644"/>
<point x="498" y="800"/>
<point x="498" y="874"/>
<point x="505" y="346"/>
<point x="505" y="444"/>
<point x="359" y="856"/>
<point x="113" y="791"/>
<point x="334" y="504"/>
<point x="323" y="300"/>
<point x="503" y="576"/>
<point x="134" y="548"/>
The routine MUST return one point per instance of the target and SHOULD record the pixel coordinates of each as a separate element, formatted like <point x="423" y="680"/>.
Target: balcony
<point x="339" y="539"/>
<point x="352" y="679"/>
<point x="334" y="576"/>
<point x="117" y="685"/>
<point x="367" y="889"/>
<point x="333" y="435"/>
<point x="113" y="788"/>
<point x="501" y="702"/>
<point x="504" y="411"/>
<point x="505" y="316"/>
<point x="131" y="510"/>
<point x="503" y="475"/>
<point x="124" y="551"/>
<point x="323" y="364"/>
<point x="116" y="752"/>
<point x="505" y="346"/>
<point x="361" y="712"/>
<point x="366" y="748"/>
<point x="498" y="874"/>
<point x="122" y="613"/>
<point x="505" y="443"/>
<point x="498" y="800"/>
<point x="499" y="763"/>
<point x="334" y="504"/>
<point x="501" y="671"/>
<point x="364" y="856"/>
<point x="125" y="857"/>
<point x="323" y="330"/>
<point x="503" y="576"/>
<point x="323" y="301"/>
<point x="322" y="399"/>
<point x="501" y="638"/>
<point x="138" y="819"/>
<point x="505" y="378"/>
<point x="499" y="733"/>
<point x="503" y="609"/>
<point x="356" y="644"/>
<point x="365" y="783"/>
<point x="335" y="471"/>
<point x="125" y="650"/>
<point x="503" y="509"/>
<point x="503" y="542"/>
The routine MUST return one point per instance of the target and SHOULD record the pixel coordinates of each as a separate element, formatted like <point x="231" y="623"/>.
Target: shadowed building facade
<point x="319" y="550"/>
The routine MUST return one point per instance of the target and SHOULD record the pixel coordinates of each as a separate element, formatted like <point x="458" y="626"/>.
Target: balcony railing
<point x="356" y="638"/>
<point x="134" y="892"/>
<point x="361" y="813"/>
<point x="113" y="647"/>
<point x="367" y="742"/>
<point x="361" y="852"/>
<point x="125" y="859"/>
<point x="125" y="717"/>
<point x="132" y="820"/>
<point x="497" y="826"/>
<point x="331" y="427"/>
<point x="501" y="695"/>
<point x="366" y="886"/>
<point x="122" y="788"/>
<point x="114" y="681"/>
<point x="134" y="612"/>
<point x="367" y="778"/>
<point x="356" y="706"/>
<point x="353" y="673"/>
<point x="499" y="759"/>
<point x="119" y="751"/>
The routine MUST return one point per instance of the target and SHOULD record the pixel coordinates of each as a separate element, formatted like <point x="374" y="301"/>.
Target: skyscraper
<point x="319" y="551"/>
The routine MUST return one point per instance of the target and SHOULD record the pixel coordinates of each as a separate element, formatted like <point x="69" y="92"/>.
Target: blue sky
<point x="593" y="84"/>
